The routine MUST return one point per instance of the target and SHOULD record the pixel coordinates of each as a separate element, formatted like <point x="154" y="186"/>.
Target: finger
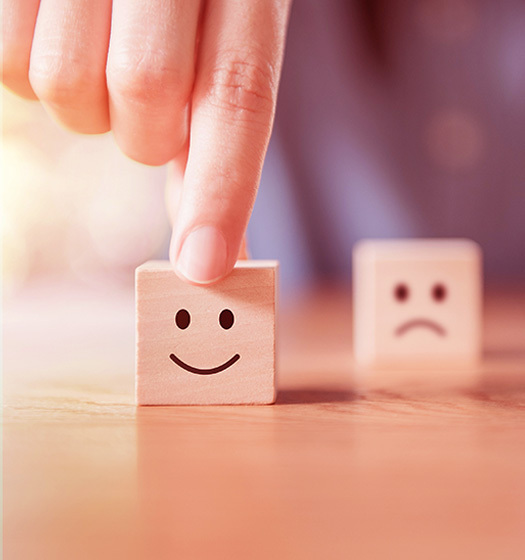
<point x="232" y="113"/>
<point x="174" y="186"/>
<point x="244" y="253"/>
<point x="18" y="24"/>
<point x="150" y="75"/>
<point x="68" y="60"/>
<point x="175" y="183"/>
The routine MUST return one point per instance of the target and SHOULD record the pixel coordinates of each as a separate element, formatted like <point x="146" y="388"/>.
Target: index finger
<point x="233" y="105"/>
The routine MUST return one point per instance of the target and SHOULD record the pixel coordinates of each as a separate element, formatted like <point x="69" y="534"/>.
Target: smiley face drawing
<point x="183" y="320"/>
<point x="417" y="302"/>
<point x="206" y="344"/>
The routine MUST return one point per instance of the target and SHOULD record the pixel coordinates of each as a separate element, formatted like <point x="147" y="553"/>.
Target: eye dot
<point x="182" y="319"/>
<point x="401" y="292"/>
<point x="439" y="292"/>
<point x="226" y="319"/>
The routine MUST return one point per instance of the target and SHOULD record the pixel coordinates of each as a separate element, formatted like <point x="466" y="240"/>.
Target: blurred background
<point x="74" y="208"/>
<point x="395" y="119"/>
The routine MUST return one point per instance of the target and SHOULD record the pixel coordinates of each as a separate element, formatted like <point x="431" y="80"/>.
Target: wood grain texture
<point x="433" y="469"/>
<point x="206" y="344"/>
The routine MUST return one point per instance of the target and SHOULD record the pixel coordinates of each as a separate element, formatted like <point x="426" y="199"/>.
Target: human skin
<point x="190" y="82"/>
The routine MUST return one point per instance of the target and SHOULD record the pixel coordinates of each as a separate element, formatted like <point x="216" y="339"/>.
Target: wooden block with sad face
<point x="417" y="303"/>
<point x="206" y="344"/>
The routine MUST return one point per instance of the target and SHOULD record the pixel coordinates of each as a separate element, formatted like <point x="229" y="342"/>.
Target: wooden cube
<point x="206" y="344"/>
<point x="417" y="303"/>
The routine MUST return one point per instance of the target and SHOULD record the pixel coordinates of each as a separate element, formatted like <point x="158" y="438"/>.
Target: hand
<point x="192" y="81"/>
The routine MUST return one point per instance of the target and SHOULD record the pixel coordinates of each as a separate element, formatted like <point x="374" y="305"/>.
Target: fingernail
<point x="203" y="256"/>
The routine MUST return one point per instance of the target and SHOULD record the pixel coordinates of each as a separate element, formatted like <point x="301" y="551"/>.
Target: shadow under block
<point x="417" y="303"/>
<point x="206" y="344"/>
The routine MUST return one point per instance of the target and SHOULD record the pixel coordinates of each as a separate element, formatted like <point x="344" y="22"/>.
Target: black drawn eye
<point x="439" y="292"/>
<point x="182" y="319"/>
<point x="226" y="319"/>
<point x="401" y="292"/>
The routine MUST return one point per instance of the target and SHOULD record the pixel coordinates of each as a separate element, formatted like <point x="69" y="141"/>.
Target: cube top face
<point x="417" y="302"/>
<point x="206" y="344"/>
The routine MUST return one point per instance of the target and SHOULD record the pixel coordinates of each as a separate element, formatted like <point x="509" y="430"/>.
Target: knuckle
<point x="146" y="78"/>
<point x="243" y="86"/>
<point x="60" y="82"/>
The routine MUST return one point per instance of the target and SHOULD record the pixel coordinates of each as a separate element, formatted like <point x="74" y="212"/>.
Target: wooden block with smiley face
<point x="206" y="344"/>
<point x="417" y="303"/>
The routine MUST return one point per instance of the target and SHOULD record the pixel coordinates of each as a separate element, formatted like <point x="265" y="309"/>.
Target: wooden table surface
<point x="431" y="466"/>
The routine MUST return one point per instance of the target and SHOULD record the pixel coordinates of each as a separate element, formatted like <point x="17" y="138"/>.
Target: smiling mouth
<point x="425" y="323"/>
<point x="200" y="371"/>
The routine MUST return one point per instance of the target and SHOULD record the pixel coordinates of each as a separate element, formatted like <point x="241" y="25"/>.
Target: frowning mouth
<point x="425" y="323"/>
<point x="200" y="371"/>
